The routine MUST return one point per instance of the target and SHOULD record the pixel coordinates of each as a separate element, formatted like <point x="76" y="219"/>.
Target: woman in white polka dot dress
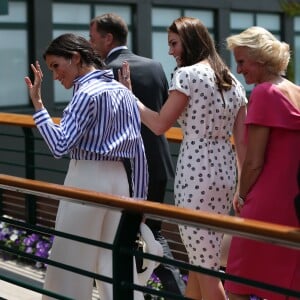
<point x="210" y="106"/>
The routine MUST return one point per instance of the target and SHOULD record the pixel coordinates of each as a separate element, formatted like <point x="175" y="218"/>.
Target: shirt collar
<point x="104" y="75"/>
<point x="116" y="49"/>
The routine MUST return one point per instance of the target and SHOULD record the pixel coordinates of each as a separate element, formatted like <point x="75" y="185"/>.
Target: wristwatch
<point x="241" y="200"/>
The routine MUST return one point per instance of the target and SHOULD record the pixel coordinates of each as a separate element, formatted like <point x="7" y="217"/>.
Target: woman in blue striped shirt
<point x="99" y="129"/>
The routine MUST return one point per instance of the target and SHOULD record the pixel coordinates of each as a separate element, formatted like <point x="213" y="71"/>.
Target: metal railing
<point x="35" y="192"/>
<point x="24" y="153"/>
<point x="24" y="150"/>
<point x="122" y="279"/>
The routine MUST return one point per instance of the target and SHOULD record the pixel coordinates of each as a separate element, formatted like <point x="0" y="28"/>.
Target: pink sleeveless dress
<point x="271" y="199"/>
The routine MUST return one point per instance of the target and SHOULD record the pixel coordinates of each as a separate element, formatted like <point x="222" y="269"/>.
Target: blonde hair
<point x="263" y="47"/>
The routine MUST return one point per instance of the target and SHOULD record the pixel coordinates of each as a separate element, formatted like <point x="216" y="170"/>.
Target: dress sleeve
<point x="180" y="81"/>
<point x="269" y="107"/>
<point x="241" y="93"/>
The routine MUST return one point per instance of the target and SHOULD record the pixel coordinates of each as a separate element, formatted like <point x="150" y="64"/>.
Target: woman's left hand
<point x="237" y="206"/>
<point x="124" y="75"/>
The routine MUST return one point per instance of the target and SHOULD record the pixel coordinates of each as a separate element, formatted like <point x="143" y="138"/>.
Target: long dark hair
<point x="198" y="45"/>
<point x="67" y="44"/>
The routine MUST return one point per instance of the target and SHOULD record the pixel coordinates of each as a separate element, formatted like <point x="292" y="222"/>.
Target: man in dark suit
<point x="108" y="36"/>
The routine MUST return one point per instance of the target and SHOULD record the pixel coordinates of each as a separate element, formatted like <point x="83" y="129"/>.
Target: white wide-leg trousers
<point x="90" y="222"/>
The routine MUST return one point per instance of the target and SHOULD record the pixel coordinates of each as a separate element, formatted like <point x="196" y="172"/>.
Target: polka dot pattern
<point x="206" y="167"/>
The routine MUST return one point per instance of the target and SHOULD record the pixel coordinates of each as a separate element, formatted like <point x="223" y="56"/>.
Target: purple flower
<point x="185" y="278"/>
<point x="154" y="278"/>
<point x="28" y="242"/>
<point x="41" y="252"/>
<point x="31" y="243"/>
<point x="47" y="246"/>
<point x="29" y="250"/>
<point x="34" y="237"/>
<point x="2" y="236"/>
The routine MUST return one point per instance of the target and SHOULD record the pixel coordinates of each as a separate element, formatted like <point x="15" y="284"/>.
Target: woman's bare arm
<point x="157" y="122"/>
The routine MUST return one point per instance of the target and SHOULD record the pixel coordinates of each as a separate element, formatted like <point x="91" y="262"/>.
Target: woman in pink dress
<point x="268" y="185"/>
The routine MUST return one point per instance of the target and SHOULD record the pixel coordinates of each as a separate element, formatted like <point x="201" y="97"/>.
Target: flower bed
<point x="40" y="245"/>
<point x="24" y="241"/>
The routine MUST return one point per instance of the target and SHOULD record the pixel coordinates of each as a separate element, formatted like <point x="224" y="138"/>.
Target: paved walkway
<point x="13" y="292"/>
<point x="18" y="271"/>
<point x="10" y="291"/>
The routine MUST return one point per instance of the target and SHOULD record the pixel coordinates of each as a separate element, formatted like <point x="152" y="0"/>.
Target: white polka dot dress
<point x="206" y="167"/>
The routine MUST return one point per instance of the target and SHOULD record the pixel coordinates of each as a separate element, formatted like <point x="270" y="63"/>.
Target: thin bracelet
<point x="241" y="200"/>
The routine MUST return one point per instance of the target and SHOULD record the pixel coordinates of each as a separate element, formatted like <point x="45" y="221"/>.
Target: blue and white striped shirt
<point x="102" y="122"/>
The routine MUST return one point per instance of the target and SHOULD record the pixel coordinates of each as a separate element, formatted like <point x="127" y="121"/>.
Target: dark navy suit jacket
<point x="150" y="86"/>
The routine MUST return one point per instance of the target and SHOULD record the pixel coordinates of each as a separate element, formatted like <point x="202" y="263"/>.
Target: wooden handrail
<point x="279" y="234"/>
<point x="19" y="120"/>
<point x="174" y="134"/>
